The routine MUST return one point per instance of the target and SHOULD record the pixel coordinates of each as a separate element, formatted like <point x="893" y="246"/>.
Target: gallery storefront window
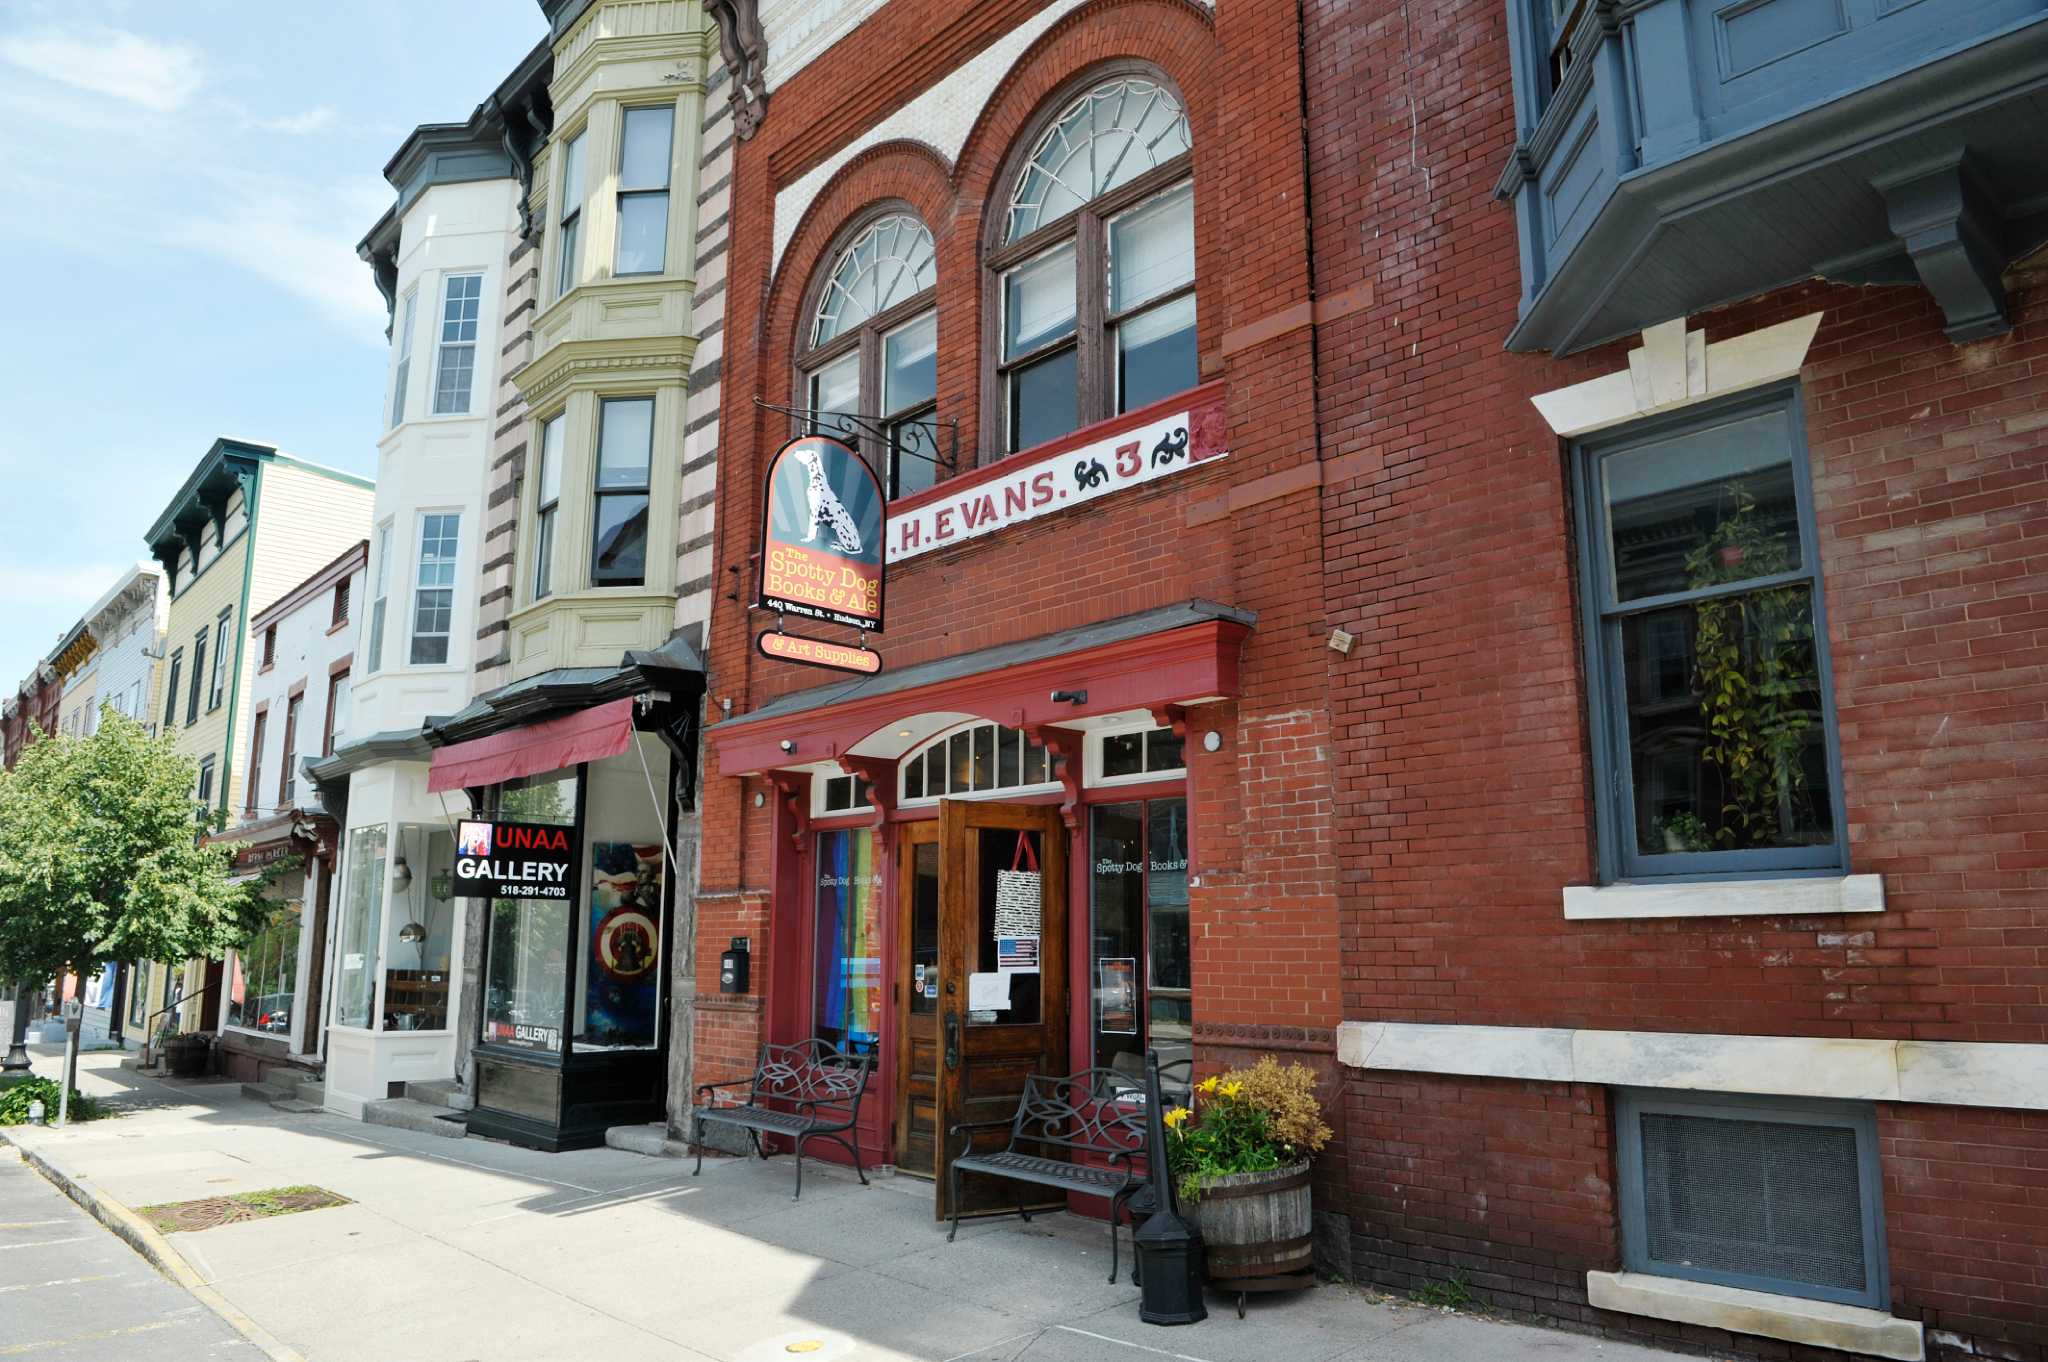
<point x="419" y="930"/>
<point x="848" y="997"/>
<point x="1140" y="971"/>
<point x="524" y="997"/>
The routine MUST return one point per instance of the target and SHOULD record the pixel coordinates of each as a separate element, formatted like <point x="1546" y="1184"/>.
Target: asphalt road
<point x="71" y="1292"/>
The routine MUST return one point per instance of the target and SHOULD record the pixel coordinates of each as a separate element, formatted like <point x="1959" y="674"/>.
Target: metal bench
<point x="1091" y="1114"/>
<point x="807" y="1091"/>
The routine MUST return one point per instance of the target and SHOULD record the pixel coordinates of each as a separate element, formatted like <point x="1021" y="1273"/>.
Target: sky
<point x="182" y="187"/>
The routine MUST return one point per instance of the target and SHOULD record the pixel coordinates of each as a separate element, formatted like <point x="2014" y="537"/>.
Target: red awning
<point x="552" y="745"/>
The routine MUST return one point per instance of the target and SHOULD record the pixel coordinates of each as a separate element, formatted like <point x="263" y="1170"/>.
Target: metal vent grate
<point x="1760" y="1198"/>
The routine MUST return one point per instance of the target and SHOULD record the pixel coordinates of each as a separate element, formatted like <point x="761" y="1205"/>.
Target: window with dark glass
<point x="1096" y="266"/>
<point x="287" y="775"/>
<point x="204" y="793"/>
<point x="644" y="146"/>
<point x="198" y="678"/>
<point x="625" y="451"/>
<point x="171" y="690"/>
<point x="1713" y="713"/>
<point x="872" y="352"/>
<point x="569" y="216"/>
<point x="548" y="502"/>
<point x="526" y="985"/>
<point x="249" y="799"/>
<point x="1140" y="973"/>
<point x="1149" y="751"/>
<point x="978" y="759"/>
<point x="217" y="689"/>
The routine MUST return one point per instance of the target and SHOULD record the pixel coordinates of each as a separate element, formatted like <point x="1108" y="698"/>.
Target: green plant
<point x="16" y="1097"/>
<point x="1451" y="1293"/>
<point x="1245" y="1121"/>
<point x="1753" y="664"/>
<point x="1686" y="831"/>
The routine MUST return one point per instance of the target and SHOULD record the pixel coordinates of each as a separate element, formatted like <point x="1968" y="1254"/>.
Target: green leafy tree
<point x="100" y="857"/>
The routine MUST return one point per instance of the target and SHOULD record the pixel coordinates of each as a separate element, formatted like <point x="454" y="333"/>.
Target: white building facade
<point x="399" y="941"/>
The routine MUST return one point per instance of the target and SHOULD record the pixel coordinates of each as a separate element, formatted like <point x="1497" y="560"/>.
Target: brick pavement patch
<point x="173" y="1217"/>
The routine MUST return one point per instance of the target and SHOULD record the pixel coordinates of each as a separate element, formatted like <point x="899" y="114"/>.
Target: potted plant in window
<point x="1239" y="1154"/>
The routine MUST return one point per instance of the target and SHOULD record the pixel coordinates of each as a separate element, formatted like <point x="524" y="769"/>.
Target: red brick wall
<point x="1263" y="915"/>
<point x="1459" y="719"/>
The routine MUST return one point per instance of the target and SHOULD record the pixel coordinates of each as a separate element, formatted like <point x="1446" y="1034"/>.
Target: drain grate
<point x="173" y="1217"/>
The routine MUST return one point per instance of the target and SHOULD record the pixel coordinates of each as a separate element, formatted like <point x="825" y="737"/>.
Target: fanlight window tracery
<point x="1106" y="138"/>
<point x="890" y="262"/>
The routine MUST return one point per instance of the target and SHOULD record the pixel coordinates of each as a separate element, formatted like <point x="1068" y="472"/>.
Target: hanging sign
<point x="821" y="534"/>
<point x="1153" y="448"/>
<point x="818" y="652"/>
<point x="512" y="860"/>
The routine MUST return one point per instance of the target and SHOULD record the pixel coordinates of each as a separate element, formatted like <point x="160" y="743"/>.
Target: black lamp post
<point x="17" y="1060"/>
<point x="1169" y="1248"/>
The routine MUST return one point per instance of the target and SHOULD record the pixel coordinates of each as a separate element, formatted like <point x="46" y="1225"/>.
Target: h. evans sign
<point x="1152" y="449"/>
<point x="821" y="534"/>
<point x="512" y="860"/>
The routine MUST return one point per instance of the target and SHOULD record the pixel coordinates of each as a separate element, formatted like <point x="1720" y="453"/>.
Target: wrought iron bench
<point x="807" y="1091"/>
<point x="1094" y="1114"/>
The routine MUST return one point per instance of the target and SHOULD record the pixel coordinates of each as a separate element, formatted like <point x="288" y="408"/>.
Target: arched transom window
<point x="873" y="350"/>
<point x="1096" y="266"/>
<point x="979" y="758"/>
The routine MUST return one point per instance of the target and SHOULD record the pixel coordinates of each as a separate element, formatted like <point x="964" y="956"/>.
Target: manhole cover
<point x="173" y="1217"/>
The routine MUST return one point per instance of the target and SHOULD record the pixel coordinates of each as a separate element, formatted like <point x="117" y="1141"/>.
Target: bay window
<point x="547" y="503"/>
<point x="433" y="605"/>
<point x="461" y="300"/>
<point x="404" y="367"/>
<point x="569" y="215"/>
<point x="645" y="144"/>
<point x="872" y="351"/>
<point x="1095" y="270"/>
<point x="379" y="599"/>
<point x="625" y="454"/>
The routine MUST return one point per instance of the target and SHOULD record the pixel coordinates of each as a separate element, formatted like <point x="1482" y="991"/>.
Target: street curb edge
<point x="154" y="1249"/>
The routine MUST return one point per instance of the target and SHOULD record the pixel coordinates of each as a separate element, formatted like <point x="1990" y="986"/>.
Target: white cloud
<point x="313" y="120"/>
<point x="109" y="61"/>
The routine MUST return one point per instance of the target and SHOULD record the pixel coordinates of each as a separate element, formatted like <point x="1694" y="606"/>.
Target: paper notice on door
<point x="988" y="992"/>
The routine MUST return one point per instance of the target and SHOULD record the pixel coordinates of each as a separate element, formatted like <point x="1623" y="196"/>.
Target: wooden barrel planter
<point x="1257" y="1234"/>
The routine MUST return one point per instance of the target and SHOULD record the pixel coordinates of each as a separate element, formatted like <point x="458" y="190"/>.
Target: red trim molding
<point x="1176" y="667"/>
<point x="351" y="559"/>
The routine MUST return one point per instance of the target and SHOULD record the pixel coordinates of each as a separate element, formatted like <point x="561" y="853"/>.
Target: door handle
<point x="952" y="1040"/>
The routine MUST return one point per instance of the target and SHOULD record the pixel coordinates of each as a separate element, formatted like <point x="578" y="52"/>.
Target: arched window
<point x="974" y="759"/>
<point x="1096" y="264"/>
<point x="872" y="348"/>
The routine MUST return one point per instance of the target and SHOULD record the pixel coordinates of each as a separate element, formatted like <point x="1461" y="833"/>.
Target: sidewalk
<point x="465" y="1249"/>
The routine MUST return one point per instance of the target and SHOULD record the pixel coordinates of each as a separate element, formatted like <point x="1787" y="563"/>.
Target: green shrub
<point x="15" y="1098"/>
<point x="1246" y="1121"/>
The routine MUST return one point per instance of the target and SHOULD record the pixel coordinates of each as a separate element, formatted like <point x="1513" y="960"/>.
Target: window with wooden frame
<point x="872" y="349"/>
<point x="1092" y="267"/>
<point x="269" y="647"/>
<point x="335" y="720"/>
<point x="256" y="726"/>
<point x="287" y="777"/>
<point x="341" y="594"/>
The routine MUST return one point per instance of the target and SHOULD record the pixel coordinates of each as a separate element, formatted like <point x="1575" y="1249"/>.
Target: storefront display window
<point x="1141" y="980"/>
<point x="620" y="1006"/>
<point x="848" y="962"/>
<point x="263" y="987"/>
<point x="356" y="960"/>
<point x="419" y="930"/>
<point x="529" y="938"/>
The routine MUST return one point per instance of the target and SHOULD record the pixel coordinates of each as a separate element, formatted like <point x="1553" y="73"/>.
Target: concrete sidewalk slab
<point x="461" y="1249"/>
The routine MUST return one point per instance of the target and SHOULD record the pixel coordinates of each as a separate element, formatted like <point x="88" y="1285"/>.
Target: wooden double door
<point x="981" y="980"/>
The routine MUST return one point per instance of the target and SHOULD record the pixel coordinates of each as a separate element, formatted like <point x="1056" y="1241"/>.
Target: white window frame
<point x="419" y="565"/>
<point x="380" y="598"/>
<point x="1091" y="760"/>
<point x="444" y="348"/>
<point x="823" y="776"/>
<point x="569" y="214"/>
<point x="552" y="444"/>
<point x="1049" y="786"/>
<point x="401" y="369"/>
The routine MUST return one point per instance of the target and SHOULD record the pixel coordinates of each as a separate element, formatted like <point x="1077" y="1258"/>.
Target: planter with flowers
<point x="1239" y="1155"/>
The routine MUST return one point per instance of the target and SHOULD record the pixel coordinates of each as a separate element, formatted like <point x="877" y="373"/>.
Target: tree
<point x="100" y="857"/>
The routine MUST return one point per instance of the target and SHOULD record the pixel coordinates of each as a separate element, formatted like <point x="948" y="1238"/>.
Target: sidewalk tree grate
<point x="173" y="1217"/>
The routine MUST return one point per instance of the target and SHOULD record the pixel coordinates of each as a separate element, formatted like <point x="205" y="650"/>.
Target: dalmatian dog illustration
<point x="826" y="508"/>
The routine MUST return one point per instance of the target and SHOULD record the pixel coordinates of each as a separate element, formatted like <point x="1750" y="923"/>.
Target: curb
<point x="141" y="1236"/>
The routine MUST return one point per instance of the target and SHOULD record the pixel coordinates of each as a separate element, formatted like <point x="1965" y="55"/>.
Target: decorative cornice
<point x="592" y="363"/>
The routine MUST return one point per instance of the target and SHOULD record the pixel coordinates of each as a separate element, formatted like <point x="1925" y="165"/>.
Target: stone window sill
<point x="1802" y="896"/>
<point x="1853" y="1329"/>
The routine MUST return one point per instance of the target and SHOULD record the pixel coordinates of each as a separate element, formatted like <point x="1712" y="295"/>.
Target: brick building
<point x="1583" y="686"/>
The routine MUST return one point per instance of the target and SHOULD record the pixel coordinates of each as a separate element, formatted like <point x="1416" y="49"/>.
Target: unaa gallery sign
<point x="512" y="860"/>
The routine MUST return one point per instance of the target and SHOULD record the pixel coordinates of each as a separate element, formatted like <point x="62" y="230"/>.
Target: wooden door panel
<point x="983" y="1063"/>
<point x="917" y="1014"/>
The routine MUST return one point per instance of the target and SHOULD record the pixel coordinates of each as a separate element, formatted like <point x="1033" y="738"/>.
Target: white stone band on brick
<point x="1940" y="1073"/>
<point x="1807" y="896"/>
<point x="1850" y="1328"/>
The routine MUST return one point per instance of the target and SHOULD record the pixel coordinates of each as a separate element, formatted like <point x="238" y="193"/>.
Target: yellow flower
<point x="1174" y="1117"/>
<point x="1232" y="1089"/>
<point x="1208" y="1085"/>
